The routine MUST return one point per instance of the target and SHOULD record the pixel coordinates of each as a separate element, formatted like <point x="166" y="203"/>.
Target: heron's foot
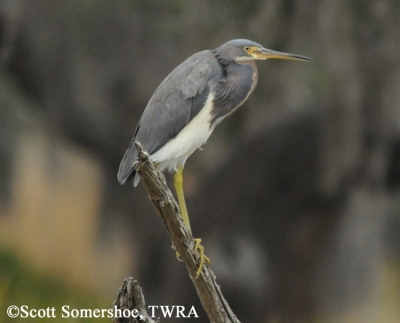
<point x="178" y="256"/>
<point x="203" y="258"/>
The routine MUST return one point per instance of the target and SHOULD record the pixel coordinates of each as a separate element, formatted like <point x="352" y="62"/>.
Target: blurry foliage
<point x="299" y="174"/>
<point x="21" y="285"/>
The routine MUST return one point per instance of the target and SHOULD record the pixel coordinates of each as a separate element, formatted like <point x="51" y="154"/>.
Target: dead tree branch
<point x="130" y="297"/>
<point x="164" y="202"/>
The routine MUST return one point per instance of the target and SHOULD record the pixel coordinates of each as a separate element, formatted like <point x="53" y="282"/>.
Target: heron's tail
<point x="126" y="170"/>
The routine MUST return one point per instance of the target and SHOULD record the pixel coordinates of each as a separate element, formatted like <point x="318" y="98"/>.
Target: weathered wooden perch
<point x="164" y="202"/>
<point x="130" y="297"/>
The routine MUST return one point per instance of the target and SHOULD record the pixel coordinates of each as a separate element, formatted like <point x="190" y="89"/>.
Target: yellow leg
<point x="178" y="182"/>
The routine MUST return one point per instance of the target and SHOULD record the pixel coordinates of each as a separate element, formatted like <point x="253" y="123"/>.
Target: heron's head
<point x="240" y="50"/>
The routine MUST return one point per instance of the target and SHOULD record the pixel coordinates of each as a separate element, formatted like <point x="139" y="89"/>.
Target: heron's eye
<point x="246" y="48"/>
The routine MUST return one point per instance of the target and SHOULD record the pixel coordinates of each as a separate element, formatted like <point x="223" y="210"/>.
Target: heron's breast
<point x="195" y="134"/>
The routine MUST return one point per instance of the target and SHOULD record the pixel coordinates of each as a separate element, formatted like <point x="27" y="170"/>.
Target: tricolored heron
<point x="192" y="100"/>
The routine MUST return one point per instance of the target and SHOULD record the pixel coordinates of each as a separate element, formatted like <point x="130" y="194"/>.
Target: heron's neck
<point x="234" y="88"/>
<point x="253" y="67"/>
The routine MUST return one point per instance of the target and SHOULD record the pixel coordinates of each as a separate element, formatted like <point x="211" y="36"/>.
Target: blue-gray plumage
<point x="189" y="103"/>
<point x="228" y="73"/>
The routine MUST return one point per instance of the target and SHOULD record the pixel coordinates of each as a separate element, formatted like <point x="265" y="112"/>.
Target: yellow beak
<point x="264" y="53"/>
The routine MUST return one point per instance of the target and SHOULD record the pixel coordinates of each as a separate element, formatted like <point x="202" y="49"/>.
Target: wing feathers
<point x="177" y="100"/>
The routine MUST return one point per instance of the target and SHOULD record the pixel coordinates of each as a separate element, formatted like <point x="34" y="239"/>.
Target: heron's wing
<point x="177" y="100"/>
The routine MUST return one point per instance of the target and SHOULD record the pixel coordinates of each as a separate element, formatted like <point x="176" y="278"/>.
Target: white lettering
<point x="96" y="313"/>
<point x="110" y="313"/>
<point x="167" y="310"/>
<point x="179" y="311"/>
<point x="65" y="309"/>
<point x="24" y="311"/>
<point x="41" y="313"/>
<point x="152" y="307"/>
<point x="192" y="312"/>
<point x="84" y="313"/>
<point x="75" y="313"/>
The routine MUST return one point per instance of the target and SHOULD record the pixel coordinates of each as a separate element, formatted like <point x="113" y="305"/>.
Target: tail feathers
<point x="126" y="170"/>
<point x="136" y="179"/>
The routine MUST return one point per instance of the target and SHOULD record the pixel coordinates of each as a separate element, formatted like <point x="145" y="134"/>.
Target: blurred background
<point x="296" y="196"/>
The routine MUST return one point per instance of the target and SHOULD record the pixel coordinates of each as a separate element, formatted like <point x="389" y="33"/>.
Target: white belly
<point x="175" y="152"/>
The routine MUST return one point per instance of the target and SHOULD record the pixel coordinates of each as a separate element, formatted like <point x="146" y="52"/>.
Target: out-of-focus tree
<point x="296" y="196"/>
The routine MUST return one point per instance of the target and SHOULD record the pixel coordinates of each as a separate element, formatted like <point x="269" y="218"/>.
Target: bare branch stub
<point x="164" y="203"/>
<point x="130" y="297"/>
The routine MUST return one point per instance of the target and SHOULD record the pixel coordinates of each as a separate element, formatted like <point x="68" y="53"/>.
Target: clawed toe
<point x="203" y="257"/>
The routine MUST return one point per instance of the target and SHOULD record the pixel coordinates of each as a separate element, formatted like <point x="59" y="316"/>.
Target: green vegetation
<point x="21" y="285"/>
